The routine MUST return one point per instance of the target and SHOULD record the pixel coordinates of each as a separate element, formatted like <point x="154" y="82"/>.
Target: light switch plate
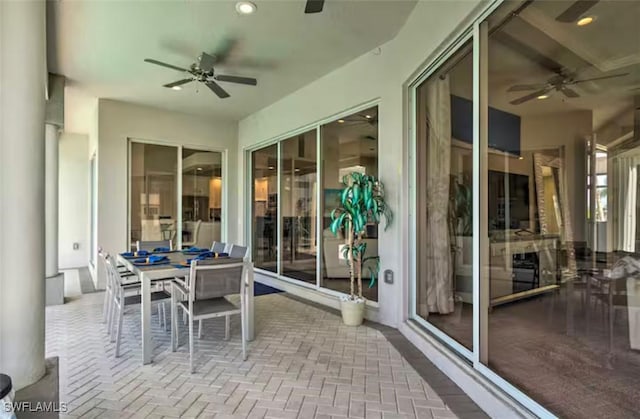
<point x="388" y="276"/>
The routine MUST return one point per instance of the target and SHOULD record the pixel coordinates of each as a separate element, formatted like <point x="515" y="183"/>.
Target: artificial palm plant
<point x="361" y="203"/>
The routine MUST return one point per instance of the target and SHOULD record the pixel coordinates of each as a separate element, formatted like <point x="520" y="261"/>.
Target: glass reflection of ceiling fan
<point x="560" y="82"/>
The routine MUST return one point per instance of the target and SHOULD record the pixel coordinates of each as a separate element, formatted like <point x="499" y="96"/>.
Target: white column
<point x="22" y="273"/>
<point x="51" y="200"/>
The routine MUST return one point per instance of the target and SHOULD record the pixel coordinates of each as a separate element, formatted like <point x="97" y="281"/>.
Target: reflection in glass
<point x="563" y="258"/>
<point x="265" y="207"/>
<point x="348" y="145"/>
<point x="153" y="192"/>
<point x="444" y="139"/>
<point x="299" y="206"/>
<point x="201" y="198"/>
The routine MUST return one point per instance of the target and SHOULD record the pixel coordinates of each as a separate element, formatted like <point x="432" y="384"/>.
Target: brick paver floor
<point x="304" y="363"/>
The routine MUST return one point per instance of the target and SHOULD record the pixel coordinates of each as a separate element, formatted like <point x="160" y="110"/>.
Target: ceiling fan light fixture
<point x="245" y="7"/>
<point x="542" y="97"/>
<point x="585" y="21"/>
<point x="177" y="87"/>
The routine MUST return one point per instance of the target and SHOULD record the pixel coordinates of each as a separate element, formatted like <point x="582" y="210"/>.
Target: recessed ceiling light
<point x="296" y="170"/>
<point x="245" y="7"/>
<point x="585" y="21"/>
<point x="271" y="167"/>
<point x="520" y="158"/>
<point x="543" y="97"/>
<point x="198" y="168"/>
<point x="368" y="116"/>
<point x="340" y="121"/>
<point x="177" y="87"/>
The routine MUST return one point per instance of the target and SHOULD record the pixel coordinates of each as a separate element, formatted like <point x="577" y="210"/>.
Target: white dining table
<point x="147" y="274"/>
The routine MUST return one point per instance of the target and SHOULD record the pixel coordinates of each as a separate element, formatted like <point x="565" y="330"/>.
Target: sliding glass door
<point x="296" y="184"/>
<point x="185" y="209"/>
<point x="154" y="188"/>
<point x="201" y="197"/>
<point x="527" y="160"/>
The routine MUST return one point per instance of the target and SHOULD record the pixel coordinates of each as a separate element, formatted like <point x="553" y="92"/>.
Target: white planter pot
<point x="352" y="312"/>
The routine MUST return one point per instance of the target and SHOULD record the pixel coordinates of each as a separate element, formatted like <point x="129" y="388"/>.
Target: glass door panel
<point x="201" y="198"/>
<point x="154" y="184"/>
<point x="264" y="165"/>
<point x="298" y="196"/>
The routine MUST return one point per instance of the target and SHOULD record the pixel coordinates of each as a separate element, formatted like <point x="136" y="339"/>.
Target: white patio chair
<point x="218" y="247"/>
<point x="194" y="235"/>
<point x="151" y="245"/>
<point x="206" y="287"/>
<point x="120" y="301"/>
<point x="238" y="251"/>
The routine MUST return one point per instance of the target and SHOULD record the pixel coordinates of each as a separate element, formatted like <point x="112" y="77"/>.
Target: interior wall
<point x="378" y="75"/>
<point x="118" y="121"/>
<point x="73" y="204"/>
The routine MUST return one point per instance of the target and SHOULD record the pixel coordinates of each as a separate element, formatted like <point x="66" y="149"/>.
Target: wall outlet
<point x="76" y="246"/>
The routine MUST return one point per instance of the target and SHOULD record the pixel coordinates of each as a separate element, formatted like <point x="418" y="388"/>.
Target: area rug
<point x="261" y="289"/>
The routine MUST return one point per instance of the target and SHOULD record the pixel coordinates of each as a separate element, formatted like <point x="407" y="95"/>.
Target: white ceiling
<point x="100" y="47"/>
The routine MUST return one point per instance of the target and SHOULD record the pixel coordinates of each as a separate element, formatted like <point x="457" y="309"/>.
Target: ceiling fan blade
<point x="525" y="87"/>
<point x="530" y="96"/>
<point x="314" y="6"/>
<point x="206" y="61"/>
<point x="237" y="79"/>
<point x="576" y="10"/>
<point x="600" y="78"/>
<point x="224" y="49"/>
<point x="528" y="52"/>
<point x="160" y="63"/>
<point x="215" y="88"/>
<point x="178" y="83"/>
<point x="569" y="92"/>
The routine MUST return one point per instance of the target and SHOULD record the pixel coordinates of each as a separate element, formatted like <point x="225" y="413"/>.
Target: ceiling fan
<point x="314" y="6"/>
<point x="202" y="71"/>
<point x="576" y="11"/>
<point x="559" y="82"/>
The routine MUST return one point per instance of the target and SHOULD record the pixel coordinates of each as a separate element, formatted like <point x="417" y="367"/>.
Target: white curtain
<point x="624" y="187"/>
<point x="439" y="261"/>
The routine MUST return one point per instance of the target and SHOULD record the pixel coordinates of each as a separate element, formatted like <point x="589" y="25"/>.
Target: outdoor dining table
<point x="147" y="274"/>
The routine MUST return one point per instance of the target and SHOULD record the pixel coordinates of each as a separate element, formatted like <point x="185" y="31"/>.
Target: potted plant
<point x="361" y="203"/>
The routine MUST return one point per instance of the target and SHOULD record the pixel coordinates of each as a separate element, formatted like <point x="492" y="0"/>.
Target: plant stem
<point x="351" y="264"/>
<point x="359" y="268"/>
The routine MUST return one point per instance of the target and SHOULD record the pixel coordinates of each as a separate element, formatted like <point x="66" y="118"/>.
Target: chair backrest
<point x="238" y="251"/>
<point x="113" y="276"/>
<point x="214" y="278"/>
<point x="151" y="229"/>
<point x="218" y="247"/>
<point x="154" y="244"/>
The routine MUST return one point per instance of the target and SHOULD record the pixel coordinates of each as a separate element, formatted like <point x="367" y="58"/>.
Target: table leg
<point x="146" y="318"/>
<point x="250" y="297"/>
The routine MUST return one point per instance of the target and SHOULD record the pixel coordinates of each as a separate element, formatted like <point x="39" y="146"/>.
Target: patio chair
<point x="206" y="286"/>
<point x="218" y="247"/>
<point x="120" y="300"/>
<point x="108" y="291"/>
<point x="194" y="234"/>
<point x="151" y="245"/>
<point x="238" y="251"/>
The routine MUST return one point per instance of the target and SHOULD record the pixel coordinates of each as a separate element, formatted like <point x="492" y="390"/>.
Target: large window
<point x="349" y="144"/>
<point x="201" y="197"/>
<point x="157" y="212"/>
<point x="264" y="165"/>
<point x="444" y="285"/>
<point x="298" y="194"/>
<point x="292" y="185"/>
<point x="554" y="245"/>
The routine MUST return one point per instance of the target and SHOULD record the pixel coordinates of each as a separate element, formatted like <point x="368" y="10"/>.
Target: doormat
<point x="261" y="289"/>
